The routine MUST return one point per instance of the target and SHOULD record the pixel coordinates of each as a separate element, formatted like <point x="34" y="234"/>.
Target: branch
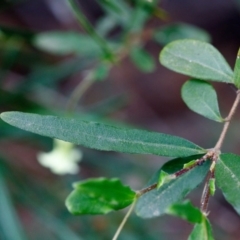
<point x="227" y="123"/>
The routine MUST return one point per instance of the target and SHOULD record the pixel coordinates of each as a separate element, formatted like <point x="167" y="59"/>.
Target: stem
<point x="124" y="220"/>
<point x="227" y="123"/>
<point x="148" y="189"/>
<point x="206" y="194"/>
<point x="87" y="26"/>
<point x="78" y="92"/>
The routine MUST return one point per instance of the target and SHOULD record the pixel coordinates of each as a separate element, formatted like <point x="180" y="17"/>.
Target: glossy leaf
<point x="102" y="137"/>
<point x="202" y="231"/>
<point x="57" y="42"/>
<point x="163" y="178"/>
<point x="237" y="70"/>
<point x="99" y="196"/>
<point x="196" y="59"/>
<point x="142" y="59"/>
<point x="177" y="31"/>
<point x="201" y="98"/>
<point x="228" y="178"/>
<point x="156" y="202"/>
<point x="186" y="211"/>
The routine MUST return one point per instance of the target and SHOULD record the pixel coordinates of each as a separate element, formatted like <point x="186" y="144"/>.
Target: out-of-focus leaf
<point x="237" y="71"/>
<point x="177" y="31"/>
<point x="103" y="137"/>
<point x="49" y="75"/>
<point x="99" y="196"/>
<point x="142" y="59"/>
<point x="111" y="5"/>
<point x="121" y="13"/>
<point x="196" y="59"/>
<point x="105" y="25"/>
<point x="67" y="43"/>
<point x="186" y="211"/>
<point x="10" y="227"/>
<point x="201" y="98"/>
<point x="202" y="231"/>
<point x="101" y="72"/>
<point x="228" y="178"/>
<point x="156" y="202"/>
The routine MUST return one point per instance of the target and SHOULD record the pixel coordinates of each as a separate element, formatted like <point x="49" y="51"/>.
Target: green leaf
<point x="10" y="226"/>
<point x="102" y="137"/>
<point x="202" y="231"/>
<point x="142" y="59"/>
<point x="201" y="98"/>
<point x="189" y="164"/>
<point x="177" y="164"/>
<point x="99" y="196"/>
<point x="228" y="178"/>
<point x="178" y="31"/>
<point x="57" y="42"/>
<point x="122" y="13"/>
<point x="186" y="211"/>
<point x="196" y="59"/>
<point x="237" y="71"/>
<point x="101" y="72"/>
<point x="163" y="178"/>
<point x="157" y="201"/>
<point x="212" y="186"/>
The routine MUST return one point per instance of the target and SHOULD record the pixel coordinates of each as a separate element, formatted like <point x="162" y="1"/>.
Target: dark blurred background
<point x="32" y="198"/>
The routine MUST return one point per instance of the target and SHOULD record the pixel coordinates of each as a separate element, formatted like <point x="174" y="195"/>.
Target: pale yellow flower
<point x="63" y="159"/>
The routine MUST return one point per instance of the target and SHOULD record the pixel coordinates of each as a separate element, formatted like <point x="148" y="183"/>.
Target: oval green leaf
<point x="228" y="178"/>
<point x="201" y="98"/>
<point x="196" y="59"/>
<point x="237" y="71"/>
<point x="202" y="231"/>
<point x="102" y="137"/>
<point x="177" y="31"/>
<point x="157" y="201"/>
<point x="142" y="59"/>
<point x="99" y="196"/>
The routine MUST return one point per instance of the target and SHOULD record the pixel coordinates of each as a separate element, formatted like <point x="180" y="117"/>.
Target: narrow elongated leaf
<point x="202" y="231"/>
<point x="228" y="178"/>
<point x="177" y="31"/>
<point x="61" y="43"/>
<point x="102" y="137"/>
<point x="99" y="196"/>
<point x="157" y="201"/>
<point x="201" y="98"/>
<point x="10" y="226"/>
<point x="142" y="59"/>
<point x="237" y="70"/>
<point x="196" y="59"/>
<point x="186" y="211"/>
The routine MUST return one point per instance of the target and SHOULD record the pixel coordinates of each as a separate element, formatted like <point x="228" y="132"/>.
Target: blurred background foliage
<point x="99" y="60"/>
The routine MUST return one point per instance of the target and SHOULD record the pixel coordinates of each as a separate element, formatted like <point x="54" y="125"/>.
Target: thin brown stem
<point x="148" y="189"/>
<point x="206" y="194"/>
<point x="227" y="123"/>
<point x="198" y="162"/>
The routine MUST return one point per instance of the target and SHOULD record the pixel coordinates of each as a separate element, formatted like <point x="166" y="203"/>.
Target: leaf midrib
<point x="206" y="66"/>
